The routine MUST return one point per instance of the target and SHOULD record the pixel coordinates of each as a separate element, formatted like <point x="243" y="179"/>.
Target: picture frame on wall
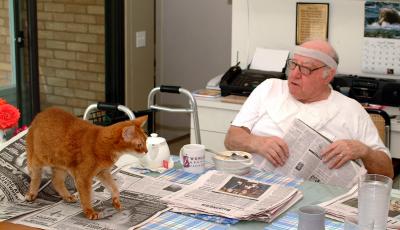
<point x="312" y="21"/>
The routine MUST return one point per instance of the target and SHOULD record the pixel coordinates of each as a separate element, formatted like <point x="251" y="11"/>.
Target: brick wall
<point x="5" y="64"/>
<point x="71" y="53"/>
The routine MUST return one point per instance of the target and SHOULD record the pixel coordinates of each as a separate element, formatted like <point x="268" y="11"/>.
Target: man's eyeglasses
<point x="303" y="70"/>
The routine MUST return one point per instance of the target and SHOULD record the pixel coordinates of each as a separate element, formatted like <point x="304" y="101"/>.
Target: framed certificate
<point x="312" y="20"/>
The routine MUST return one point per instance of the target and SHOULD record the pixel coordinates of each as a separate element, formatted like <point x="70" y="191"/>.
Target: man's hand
<point x="273" y="148"/>
<point x="339" y="152"/>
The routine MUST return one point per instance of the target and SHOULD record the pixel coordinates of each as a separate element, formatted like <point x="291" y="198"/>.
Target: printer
<point x="242" y="82"/>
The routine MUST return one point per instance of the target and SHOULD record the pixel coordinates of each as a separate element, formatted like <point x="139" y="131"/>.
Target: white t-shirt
<point x="270" y="110"/>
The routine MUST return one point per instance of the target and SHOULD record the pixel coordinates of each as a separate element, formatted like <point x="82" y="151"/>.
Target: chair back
<point x="382" y="122"/>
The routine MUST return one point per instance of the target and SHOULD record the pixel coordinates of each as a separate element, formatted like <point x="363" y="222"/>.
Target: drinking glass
<point x="373" y="200"/>
<point x="351" y="223"/>
<point x="311" y="217"/>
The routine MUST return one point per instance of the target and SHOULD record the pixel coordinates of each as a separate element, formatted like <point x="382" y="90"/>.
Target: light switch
<point x="140" y="39"/>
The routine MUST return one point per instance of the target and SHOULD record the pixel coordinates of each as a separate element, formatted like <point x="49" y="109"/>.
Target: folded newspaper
<point x="305" y="161"/>
<point x="233" y="196"/>
<point x="347" y="205"/>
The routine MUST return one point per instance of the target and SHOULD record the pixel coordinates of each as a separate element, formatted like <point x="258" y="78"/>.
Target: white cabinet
<point x="215" y="118"/>
<point x="395" y="138"/>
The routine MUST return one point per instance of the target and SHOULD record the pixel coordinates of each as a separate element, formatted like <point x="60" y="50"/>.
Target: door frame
<point x="115" y="51"/>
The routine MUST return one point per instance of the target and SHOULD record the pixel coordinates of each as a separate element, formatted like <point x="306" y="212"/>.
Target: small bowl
<point x="236" y="165"/>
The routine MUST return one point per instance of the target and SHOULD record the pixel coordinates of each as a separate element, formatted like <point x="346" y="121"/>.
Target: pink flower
<point x="20" y="130"/>
<point x="9" y="116"/>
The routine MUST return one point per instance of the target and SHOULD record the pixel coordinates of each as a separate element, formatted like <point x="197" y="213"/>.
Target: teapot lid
<point x="154" y="139"/>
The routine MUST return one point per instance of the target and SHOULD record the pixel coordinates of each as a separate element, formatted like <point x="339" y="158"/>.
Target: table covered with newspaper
<point x="145" y="199"/>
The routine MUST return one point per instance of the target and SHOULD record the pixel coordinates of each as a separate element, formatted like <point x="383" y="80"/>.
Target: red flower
<point x="2" y="101"/>
<point x="9" y="116"/>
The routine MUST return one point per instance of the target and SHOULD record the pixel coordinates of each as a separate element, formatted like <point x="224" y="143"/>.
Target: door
<point x="17" y="58"/>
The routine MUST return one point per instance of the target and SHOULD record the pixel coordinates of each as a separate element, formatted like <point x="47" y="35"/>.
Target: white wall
<point x="193" y="44"/>
<point x="272" y="24"/>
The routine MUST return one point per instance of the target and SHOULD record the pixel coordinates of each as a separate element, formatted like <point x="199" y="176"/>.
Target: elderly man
<point x="270" y="109"/>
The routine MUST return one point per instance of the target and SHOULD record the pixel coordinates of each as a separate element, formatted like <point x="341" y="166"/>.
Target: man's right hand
<point x="273" y="148"/>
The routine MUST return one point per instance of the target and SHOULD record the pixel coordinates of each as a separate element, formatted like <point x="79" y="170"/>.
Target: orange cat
<point x="70" y="145"/>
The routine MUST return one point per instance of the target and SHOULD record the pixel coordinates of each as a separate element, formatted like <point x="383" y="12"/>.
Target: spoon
<point x="233" y="156"/>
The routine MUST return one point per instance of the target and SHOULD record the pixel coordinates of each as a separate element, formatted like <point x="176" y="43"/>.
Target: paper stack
<point x="232" y="196"/>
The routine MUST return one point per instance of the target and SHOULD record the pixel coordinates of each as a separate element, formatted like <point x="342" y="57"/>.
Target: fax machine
<point x="242" y="82"/>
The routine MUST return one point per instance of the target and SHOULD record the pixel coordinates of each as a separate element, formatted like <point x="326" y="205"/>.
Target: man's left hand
<point x="339" y="152"/>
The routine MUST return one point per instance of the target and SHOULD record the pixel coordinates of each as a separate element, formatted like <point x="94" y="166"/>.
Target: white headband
<point x="320" y="56"/>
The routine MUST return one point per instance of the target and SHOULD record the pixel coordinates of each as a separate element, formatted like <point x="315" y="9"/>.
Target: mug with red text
<point x="192" y="158"/>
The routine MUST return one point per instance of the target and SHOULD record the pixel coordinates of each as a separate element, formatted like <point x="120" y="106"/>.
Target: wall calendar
<point x="381" y="48"/>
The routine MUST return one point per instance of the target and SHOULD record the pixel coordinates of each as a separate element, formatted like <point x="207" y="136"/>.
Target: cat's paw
<point x="30" y="196"/>
<point x="116" y="203"/>
<point x="70" y="199"/>
<point x="91" y="214"/>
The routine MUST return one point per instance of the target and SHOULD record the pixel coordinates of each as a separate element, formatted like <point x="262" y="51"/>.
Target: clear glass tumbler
<point x="373" y="200"/>
<point x="351" y="223"/>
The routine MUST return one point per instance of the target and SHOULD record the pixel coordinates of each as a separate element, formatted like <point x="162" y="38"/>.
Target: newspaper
<point x="14" y="181"/>
<point x="233" y="196"/>
<point x="140" y="197"/>
<point x="305" y="146"/>
<point x="347" y="205"/>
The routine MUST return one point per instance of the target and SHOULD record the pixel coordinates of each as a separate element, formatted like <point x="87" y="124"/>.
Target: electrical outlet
<point x="140" y="39"/>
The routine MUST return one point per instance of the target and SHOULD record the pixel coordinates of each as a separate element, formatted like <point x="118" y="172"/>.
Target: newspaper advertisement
<point x="305" y="147"/>
<point x="14" y="181"/>
<point x="234" y="197"/>
<point x="140" y="197"/>
<point x="347" y="205"/>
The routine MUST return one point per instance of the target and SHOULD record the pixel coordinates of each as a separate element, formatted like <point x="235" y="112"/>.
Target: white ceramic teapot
<point x="158" y="155"/>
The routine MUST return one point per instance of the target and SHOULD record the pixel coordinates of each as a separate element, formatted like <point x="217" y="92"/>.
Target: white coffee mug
<point x="192" y="158"/>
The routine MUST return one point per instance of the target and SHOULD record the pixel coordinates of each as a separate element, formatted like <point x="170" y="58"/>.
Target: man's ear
<point x="328" y="75"/>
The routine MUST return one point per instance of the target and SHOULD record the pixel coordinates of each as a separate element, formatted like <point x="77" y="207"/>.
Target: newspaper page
<point x="234" y="196"/>
<point x="140" y="197"/>
<point x="347" y="205"/>
<point x="14" y="181"/>
<point x="305" y="146"/>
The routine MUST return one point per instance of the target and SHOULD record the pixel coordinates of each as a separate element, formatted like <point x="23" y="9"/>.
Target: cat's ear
<point x="140" y="121"/>
<point x="128" y="133"/>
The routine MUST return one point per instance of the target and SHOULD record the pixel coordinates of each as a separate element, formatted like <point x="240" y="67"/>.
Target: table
<point x="313" y="193"/>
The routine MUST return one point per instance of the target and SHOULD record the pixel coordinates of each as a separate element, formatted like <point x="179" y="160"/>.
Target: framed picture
<point x="312" y="21"/>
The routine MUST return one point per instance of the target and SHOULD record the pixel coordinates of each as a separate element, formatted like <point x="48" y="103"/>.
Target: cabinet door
<point x="212" y="140"/>
<point x="215" y="119"/>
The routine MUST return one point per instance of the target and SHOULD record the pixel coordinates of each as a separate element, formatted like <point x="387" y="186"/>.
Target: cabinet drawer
<point x="211" y="140"/>
<point x="395" y="144"/>
<point x="215" y="119"/>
